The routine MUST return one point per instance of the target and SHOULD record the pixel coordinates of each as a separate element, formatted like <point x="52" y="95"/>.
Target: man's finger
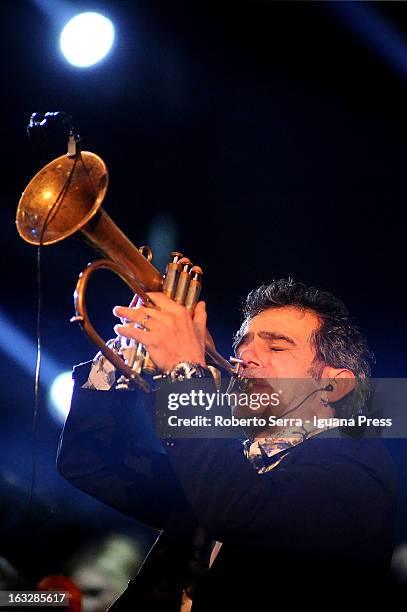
<point x="163" y="301"/>
<point x="137" y="315"/>
<point x="200" y="316"/>
<point x="135" y="333"/>
<point x="199" y="320"/>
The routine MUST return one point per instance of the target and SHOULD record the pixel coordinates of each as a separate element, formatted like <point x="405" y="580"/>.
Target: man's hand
<point x="170" y="333"/>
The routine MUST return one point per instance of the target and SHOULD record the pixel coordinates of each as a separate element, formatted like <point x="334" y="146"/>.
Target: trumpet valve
<point x="194" y="288"/>
<point x="172" y="273"/>
<point x="183" y="281"/>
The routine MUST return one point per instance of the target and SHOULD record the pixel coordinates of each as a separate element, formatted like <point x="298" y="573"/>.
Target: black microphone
<point x="49" y="133"/>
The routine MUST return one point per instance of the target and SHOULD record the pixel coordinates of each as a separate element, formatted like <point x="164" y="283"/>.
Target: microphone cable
<point x="36" y="125"/>
<point x="327" y="388"/>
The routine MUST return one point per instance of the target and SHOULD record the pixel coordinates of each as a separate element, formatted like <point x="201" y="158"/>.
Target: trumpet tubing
<point x="65" y="198"/>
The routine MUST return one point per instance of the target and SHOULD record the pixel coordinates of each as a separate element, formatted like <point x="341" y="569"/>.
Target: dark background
<point x="271" y="138"/>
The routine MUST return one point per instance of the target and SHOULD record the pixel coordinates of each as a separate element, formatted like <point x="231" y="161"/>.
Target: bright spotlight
<point x="86" y="39"/>
<point x="60" y="395"/>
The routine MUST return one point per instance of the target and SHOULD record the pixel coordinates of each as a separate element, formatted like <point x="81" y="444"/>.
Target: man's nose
<point x="251" y="356"/>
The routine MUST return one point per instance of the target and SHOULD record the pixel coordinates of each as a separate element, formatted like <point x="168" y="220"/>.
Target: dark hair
<point x="338" y="342"/>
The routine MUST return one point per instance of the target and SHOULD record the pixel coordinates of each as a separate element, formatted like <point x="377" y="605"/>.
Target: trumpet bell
<point x="65" y="198"/>
<point x="62" y="198"/>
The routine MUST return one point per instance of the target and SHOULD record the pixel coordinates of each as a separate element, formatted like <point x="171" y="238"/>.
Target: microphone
<point x="48" y="130"/>
<point x="327" y="388"/>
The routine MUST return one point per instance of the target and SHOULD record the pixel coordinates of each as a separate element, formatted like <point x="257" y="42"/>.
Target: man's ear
<point x="342" y="381"/>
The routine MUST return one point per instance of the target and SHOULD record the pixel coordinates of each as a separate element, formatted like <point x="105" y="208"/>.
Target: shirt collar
<point x="266" y="453"/>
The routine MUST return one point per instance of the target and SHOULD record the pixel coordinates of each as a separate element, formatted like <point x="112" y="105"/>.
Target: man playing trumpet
<point x="287" y="516"/>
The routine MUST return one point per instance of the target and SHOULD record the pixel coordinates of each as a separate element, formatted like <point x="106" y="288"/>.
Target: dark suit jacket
<point x="319" y="524"/>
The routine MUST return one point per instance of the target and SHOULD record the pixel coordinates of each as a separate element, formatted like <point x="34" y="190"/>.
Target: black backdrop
<point x="270" y="136"/>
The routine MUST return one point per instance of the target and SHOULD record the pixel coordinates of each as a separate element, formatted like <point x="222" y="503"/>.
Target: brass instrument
<point x="65" y="198"/>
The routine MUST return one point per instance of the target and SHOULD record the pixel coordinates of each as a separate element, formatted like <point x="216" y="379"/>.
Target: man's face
<point x="277" y="344"/>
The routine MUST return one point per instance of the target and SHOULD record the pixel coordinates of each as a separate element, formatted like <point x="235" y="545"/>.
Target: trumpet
<point x="64" y="199"/>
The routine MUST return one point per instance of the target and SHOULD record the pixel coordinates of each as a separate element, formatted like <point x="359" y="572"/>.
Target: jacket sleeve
<point x="328" y="493"/>
<point x="108" y="449"/>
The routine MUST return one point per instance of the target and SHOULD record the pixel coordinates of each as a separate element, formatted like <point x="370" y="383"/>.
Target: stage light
<point x="162" y="237"/>
<point x="23" y="350"/>
<point x="86" y="39"/>
<point x="378" y="31"/>
<point x="60" y="395"/>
